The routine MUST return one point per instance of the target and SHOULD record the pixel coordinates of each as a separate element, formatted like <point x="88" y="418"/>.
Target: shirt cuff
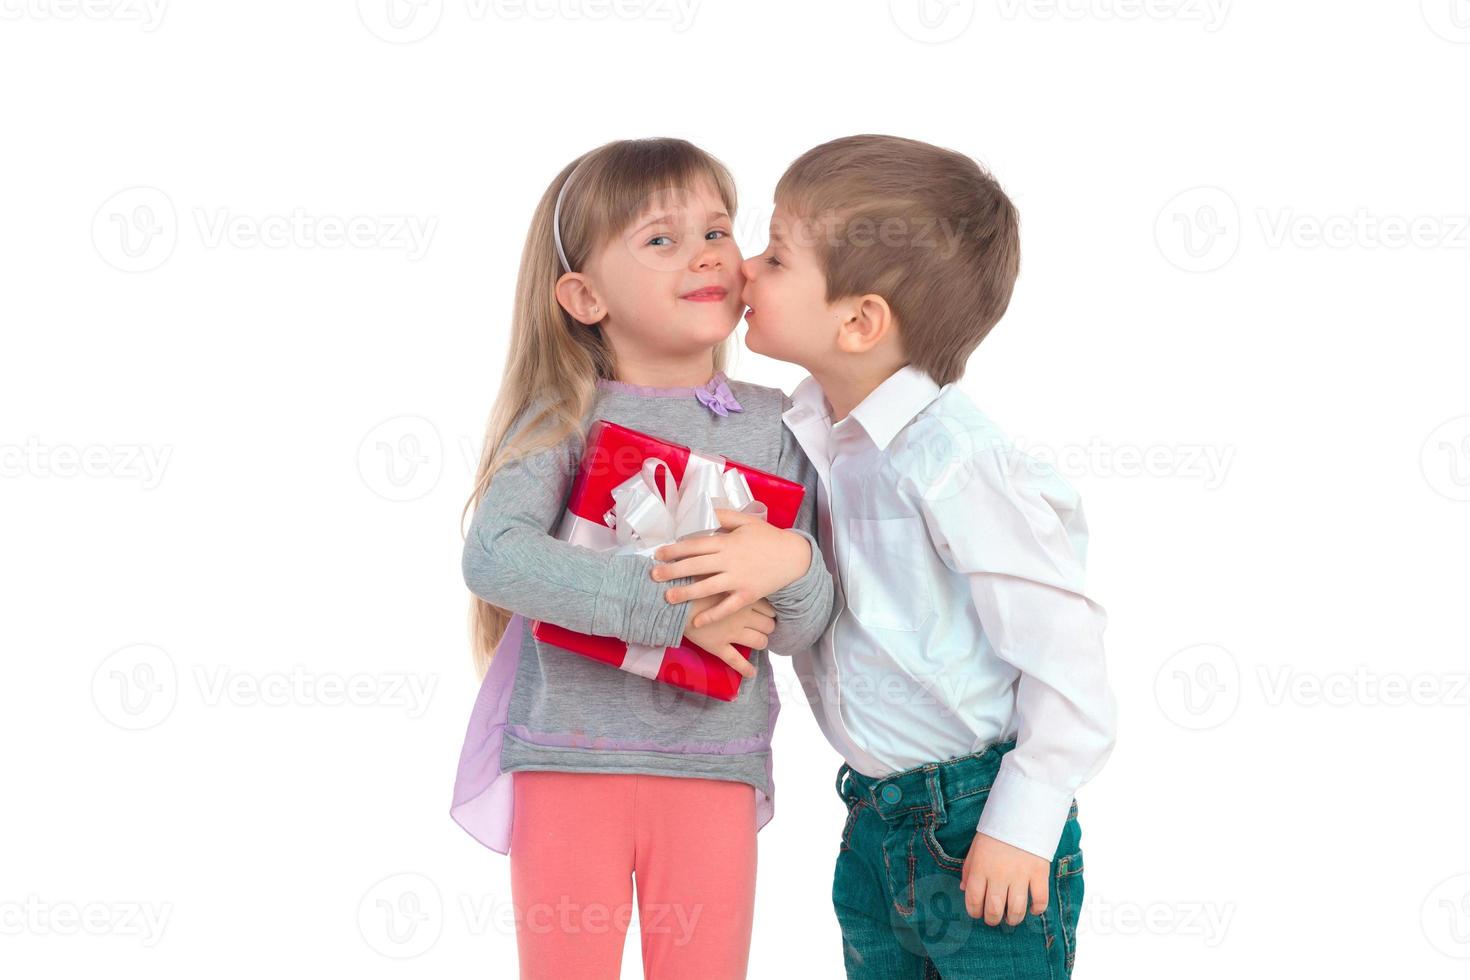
<point x="631" y="605"/>
<point x="1025" y="813"/>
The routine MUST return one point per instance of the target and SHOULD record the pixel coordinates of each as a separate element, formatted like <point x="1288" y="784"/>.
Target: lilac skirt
<point x="484" y="797"/>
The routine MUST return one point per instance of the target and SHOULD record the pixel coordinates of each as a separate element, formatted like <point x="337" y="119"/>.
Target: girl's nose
<point x="748" y="267"/>
<point x="707" y="257"/>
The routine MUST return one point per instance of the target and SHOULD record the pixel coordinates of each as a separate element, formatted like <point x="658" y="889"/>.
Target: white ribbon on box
<point x="646" y="516"/>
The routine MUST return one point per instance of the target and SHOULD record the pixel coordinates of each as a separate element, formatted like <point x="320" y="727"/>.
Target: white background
<point x="235" y="451"/>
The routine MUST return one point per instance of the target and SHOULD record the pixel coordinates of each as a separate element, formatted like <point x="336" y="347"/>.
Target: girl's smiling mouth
<point x="709" y="294"/>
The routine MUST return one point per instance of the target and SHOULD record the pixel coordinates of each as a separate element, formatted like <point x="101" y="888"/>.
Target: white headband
<point x="561" y="252"/>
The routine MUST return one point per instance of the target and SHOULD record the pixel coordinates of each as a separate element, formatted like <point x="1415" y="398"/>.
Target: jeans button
<point x="892" y="794"/>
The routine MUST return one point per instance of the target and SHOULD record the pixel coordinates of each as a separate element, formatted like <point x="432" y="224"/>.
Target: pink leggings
<point x="580" y="838"/>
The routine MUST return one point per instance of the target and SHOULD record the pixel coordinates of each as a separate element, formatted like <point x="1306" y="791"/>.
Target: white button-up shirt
<point x="959" y="617"/>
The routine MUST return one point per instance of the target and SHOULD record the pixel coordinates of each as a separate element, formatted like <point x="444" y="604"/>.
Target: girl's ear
<point x="575" y="294"/>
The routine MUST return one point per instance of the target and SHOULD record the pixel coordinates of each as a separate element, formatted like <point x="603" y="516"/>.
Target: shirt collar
<point x="882" y="415"/>
<point x="808" y="401"/>
<point x="894" y="403"/>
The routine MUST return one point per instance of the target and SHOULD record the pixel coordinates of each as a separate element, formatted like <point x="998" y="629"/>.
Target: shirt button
<point x="892" y="794"/>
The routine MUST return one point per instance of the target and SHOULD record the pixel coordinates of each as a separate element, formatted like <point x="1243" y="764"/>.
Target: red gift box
<point x="631" y="494"/>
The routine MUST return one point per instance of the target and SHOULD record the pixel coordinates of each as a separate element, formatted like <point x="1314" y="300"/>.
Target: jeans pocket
<point x="1067" y="881"/>
<point x="852" y="814"/>
<point x="949" y="843"/>
<point x="937" y="850"/>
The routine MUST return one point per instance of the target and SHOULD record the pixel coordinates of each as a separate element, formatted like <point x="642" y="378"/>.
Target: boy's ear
<point x="866" y="320"/>
<point x="577" y="296"/>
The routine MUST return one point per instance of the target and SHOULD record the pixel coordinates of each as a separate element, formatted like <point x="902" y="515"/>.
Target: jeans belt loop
<point x="843" y="775"/>
<point x="936" y="794"/>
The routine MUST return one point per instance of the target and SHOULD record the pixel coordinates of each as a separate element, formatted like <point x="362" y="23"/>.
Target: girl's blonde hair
<point x="554" y="360"/>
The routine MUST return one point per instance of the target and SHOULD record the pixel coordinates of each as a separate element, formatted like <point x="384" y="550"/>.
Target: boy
<point x="961" y="676"/>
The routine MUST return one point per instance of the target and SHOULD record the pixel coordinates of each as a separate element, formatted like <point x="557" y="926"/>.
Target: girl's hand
<point x="750" y="626"/>
<point x="748" y="563"/>
<point x="996" y="879"/>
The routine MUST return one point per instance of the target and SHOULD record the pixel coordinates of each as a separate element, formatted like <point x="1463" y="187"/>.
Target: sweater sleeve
<point x="804" y="606"/>
<point x="513" y="560"/>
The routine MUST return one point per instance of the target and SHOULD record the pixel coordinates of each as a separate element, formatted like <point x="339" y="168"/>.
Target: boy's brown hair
<point x="926" y="228"/>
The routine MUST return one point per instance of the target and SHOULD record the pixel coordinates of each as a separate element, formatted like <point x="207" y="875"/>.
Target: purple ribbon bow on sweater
<point x="717" y="397"/>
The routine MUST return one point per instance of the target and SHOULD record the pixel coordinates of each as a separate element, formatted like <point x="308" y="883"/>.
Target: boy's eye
<point x="716" y="231"/>
<point x="660" y="238"/>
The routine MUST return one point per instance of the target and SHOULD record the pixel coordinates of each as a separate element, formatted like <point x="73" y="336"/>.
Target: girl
<point x="628" y="292"/>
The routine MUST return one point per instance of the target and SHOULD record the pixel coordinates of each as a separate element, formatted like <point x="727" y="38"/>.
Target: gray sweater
<point x="571" y="713"/>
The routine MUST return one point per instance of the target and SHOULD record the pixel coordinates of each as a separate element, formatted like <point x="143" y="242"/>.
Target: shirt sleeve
<point x="513" y="560"/>
<point x="803" y="606"/>
<point x="1016" y="530"/>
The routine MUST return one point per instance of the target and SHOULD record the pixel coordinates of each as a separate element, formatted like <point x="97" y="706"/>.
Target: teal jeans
<point x="897" y="883"/>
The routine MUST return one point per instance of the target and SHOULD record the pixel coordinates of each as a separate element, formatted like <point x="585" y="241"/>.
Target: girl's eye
<point x="772" y="261"/>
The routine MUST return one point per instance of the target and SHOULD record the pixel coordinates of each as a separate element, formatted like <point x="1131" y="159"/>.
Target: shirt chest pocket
<point x="887" y="574"/>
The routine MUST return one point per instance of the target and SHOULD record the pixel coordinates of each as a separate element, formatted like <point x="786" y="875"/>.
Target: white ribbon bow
<point x="647" y="515"/>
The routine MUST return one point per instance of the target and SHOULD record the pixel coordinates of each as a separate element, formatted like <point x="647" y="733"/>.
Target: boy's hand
<point x="750" y="626"/>
<point x="749" y="562"/>
<point x="996" y="878"/>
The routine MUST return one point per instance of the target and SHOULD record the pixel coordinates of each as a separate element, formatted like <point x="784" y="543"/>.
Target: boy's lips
<point x="709" y="294"/>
